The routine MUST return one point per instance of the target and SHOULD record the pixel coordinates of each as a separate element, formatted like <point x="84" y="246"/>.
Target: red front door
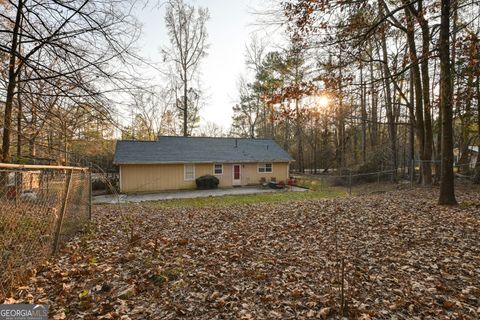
<point x="236" y="175"/>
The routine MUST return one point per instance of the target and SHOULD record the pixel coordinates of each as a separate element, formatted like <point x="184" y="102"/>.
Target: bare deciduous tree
<point x="447" y="194"/>
<point x="188" y="37"/>
<point x="76" y="47"/>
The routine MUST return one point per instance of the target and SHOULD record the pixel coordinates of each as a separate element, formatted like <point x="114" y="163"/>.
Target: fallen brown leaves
<point x="404" y="257"/>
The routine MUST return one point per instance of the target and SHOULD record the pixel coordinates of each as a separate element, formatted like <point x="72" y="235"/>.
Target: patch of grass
<point x="314" y="184"/>
<point x="225" y="201"/>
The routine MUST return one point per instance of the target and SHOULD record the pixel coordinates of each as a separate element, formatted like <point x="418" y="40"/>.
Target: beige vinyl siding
<point x="161" y="177"/>
<point x="226" y="177"/>
<point x="153" y="177"/>
<point x="251" y="176"/>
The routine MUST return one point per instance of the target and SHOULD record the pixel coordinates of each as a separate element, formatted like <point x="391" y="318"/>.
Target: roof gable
<point x="198" y="150"/>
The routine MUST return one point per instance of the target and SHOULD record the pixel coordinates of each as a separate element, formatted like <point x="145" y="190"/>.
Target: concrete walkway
<point x="187" y="194"/>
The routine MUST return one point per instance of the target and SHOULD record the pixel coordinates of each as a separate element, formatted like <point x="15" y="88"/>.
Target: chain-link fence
<point x="354" y="183"/>
<point x="467" y="171"/>
<point x="41" y="207"/>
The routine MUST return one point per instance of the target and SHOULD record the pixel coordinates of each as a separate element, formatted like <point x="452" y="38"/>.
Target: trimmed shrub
<point x="207" y="182"/>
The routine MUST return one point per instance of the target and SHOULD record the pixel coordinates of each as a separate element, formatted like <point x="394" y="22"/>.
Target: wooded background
<point x="378" y="64"/>
<point x="358" y="85"/>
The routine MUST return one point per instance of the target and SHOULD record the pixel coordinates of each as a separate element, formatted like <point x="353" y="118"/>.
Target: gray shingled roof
<point x="198" y="150"/>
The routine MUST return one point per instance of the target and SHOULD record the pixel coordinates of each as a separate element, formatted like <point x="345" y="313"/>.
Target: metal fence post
<point x="58" y="228"/>
<point x="16" y="187"/>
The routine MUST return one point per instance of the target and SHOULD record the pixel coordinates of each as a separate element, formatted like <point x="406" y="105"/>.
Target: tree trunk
<point x="264" y="127"/>
<point x="478" y="121"/>
<point x="286" y="133"/>
<point x="272" y="123"/>
<point x="428" y="147"/>
<point x="411" y="127"/>
<point x="419" y="120"/>
<point x="477" y="163"/>
<point x="12" y="82"/>
<point x="19" y="104"/>
<point x="465" y="127"/>
<point x="300" y="158"/>
<point x="340" y="115"/>
<point x="374" y="121"/>
<point x="185" y="104"/>
<point x="355" y="142"/>
<point x="364" y="115"/>
<point x="31" y="148"/>
<point x="452" y="77"/>
<point x="438" y="167"/>
<point x="447" y="189"/>
<point x="388" y="102"/>
<point x="466" y="118"/>
<point x="19" y="126"/>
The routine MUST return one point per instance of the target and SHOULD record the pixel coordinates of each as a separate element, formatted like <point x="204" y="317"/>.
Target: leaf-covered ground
<point x="395" y="256"/>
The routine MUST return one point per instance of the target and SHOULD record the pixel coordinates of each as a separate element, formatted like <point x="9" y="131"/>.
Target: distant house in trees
<point x="473" y="151"/>
<point x="173" y="163"/>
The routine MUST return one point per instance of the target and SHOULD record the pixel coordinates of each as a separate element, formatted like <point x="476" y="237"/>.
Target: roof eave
<point x="202" y="162"/>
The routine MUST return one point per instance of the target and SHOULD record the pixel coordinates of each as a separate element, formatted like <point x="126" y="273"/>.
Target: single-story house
<point x="173" y="163"/>
<point x="473" y="152"/>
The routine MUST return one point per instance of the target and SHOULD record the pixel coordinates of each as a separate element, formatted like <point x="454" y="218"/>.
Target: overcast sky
<point x="229" y="29"/>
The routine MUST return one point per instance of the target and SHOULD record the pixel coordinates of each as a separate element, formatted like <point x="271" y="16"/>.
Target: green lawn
<point x="276" y="197"/>
<point x="318" y="189"/>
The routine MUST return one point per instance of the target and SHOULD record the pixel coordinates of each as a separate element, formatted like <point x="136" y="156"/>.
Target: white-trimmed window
<point x="218" y="168"/>
<point x="189" y="172"/>
<point x="265" y="168"/>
